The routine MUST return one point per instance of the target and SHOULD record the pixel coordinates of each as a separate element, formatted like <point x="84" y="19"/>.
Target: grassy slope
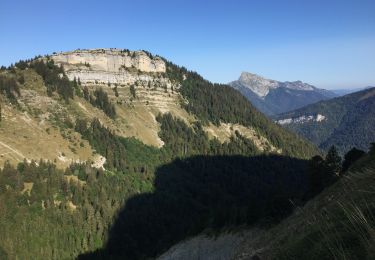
<point x="36" y="127"/>
<point x="42" y="120"/>
<point x="53" y="113"/>
<point x="337" y="224"/>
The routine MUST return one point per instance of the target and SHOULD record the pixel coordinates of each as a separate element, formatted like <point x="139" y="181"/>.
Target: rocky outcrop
<point x="115" y="66"/>
<point x="262" y="86"/>
<point x="301" y="119"/>
<point x="257" y="84"/>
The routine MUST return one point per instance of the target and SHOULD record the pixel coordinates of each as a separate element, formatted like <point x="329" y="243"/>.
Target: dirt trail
<point x="13" y="150"/>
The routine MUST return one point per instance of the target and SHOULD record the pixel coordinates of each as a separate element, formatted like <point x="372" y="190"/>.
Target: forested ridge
<point x="217" y="103"/>
<point x="149" y="197"/>
<point x="208" y="102"/>
<point x="348" y="122"/>
<point x="48" y="213"/>
<point x="78" y="206"/>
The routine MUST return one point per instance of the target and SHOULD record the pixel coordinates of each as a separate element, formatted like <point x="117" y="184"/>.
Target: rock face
<point x="154" y="92"/>
<point x="102" y="66"/>
<point x="262" y="86"/>
<point x="301" y="119"/>
<point x="257" y="84"/>
<point x="273" y="97"/>
<point x="137" y="84"/>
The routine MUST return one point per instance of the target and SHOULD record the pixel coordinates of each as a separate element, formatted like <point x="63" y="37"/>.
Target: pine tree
<point x="132" y="91"/>
<point x="333" y="162"/>
<point x="86" y="93"/>
<point x="350" y="157"/>
<point x="116" y="92"/>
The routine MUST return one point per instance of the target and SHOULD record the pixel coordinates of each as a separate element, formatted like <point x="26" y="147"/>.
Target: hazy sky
<point x="330" y="44"/>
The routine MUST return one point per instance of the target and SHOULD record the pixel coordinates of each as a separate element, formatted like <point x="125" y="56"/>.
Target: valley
<point x="187" y="130"/>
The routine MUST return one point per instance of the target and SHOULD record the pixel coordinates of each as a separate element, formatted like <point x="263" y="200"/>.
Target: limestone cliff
<point x="102" y="66"/>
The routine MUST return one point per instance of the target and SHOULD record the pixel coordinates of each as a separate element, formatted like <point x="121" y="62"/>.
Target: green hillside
<point x="348" y="121"/>
<point x="65" y="206"/>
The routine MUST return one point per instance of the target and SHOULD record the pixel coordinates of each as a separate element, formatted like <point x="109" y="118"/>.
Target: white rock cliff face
<point x="262" y="86"/>
<point x="108" y="65"/>
<point x="257" y="84"/>
<point x="301" y="119"/>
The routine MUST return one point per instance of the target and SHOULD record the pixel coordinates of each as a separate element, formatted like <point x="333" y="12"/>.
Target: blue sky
<point x="330" y="44"/>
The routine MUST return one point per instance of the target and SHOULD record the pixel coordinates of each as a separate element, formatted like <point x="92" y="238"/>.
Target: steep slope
<point x="35" y="126"/>
<point x="107" y="138"/>
<point x="274" y="97"/>
<point x="344" y="121"/>
<point x="126" y="90"/>
<point x="337" y="224"/>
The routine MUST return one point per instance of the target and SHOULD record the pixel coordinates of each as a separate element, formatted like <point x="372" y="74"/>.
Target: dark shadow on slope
<point x="201" y="193"/>
<point x="3" y="254"/>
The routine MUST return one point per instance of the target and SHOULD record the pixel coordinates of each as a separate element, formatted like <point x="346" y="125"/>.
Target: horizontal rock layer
<point x="109" y="65"/>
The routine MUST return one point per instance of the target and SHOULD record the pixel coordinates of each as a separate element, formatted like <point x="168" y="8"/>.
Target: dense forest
<point x="348" y="121"/>
<point x="205" y="192"/>
<point x="55" y="80"/>
<point x="182" y="140"/>
<point x="9" y="87"/>
<point x="220" y="103"/>
<point x="213" y="192"/>
<point x="100" y="100"/>
<point x="48" y="213"/>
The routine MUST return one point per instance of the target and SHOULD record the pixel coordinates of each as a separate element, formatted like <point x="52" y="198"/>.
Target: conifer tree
<point x="350" y="157"/>
<point x="333" y="161"/>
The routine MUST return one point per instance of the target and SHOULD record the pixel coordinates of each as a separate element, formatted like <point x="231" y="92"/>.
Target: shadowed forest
<point x="205" y="193"/>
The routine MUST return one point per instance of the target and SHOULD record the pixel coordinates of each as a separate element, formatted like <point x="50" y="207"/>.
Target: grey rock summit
<point x="273" y="97"/>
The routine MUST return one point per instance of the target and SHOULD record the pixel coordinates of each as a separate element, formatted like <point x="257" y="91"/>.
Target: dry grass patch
<point x="225" y="131"/>
<point x="27" y="188"/>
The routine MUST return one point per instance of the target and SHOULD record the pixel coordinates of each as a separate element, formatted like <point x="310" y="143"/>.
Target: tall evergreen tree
<point x="333" y="162"/>
<point x="350" y="157"/>
<point x="316" y="175"/>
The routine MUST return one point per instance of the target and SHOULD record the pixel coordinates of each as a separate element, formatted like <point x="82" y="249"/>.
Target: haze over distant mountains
<point x="273" y="97"/>
<point x="346" y="91"/>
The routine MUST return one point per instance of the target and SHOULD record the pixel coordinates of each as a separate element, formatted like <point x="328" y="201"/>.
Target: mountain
<point x="345" y="121"/>
<point x="273" y="97"/>
<point x="125" y="90"/>
<point x="90" y="136"/>
<point x="346" y="91"/>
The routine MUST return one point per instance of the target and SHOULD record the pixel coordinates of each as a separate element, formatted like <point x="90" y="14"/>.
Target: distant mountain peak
<point x="261" y="86"/>
<point x="273" y="97"/>
<point x="257" y="84"/>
